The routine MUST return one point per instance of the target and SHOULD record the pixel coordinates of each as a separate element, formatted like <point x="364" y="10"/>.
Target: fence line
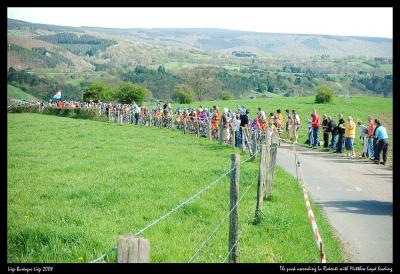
<point x="221" y="223"/>
<point x="202" y="245"/>
<point x="175" y="208"/>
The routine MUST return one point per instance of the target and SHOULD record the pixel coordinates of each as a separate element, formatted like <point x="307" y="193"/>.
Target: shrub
<point x="79" y="113"/>
<point x="22" y="108"/>
<point x="324" y="95"/>
<point x="98" y="91"/>
<point x="183" y="95"/>
<point x="129" y="93"/>
<point x="225" y="95"/>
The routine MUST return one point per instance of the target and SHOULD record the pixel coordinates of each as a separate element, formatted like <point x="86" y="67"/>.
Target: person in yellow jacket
<point x="350" y="134"/>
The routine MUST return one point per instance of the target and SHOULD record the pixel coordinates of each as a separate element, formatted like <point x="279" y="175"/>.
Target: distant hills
<point x="226" y="41"/>
<point x="243" y="61"/>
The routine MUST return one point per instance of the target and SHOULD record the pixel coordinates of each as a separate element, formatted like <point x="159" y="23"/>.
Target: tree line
<point x="47" y="58"/>
<point x="80" y="45"/>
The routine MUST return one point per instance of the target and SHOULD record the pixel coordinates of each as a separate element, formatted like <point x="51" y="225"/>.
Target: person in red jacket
<point x="59" y="104"/>
<point x="315" y="128"/>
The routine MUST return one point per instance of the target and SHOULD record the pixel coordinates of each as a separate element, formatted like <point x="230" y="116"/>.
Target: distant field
<point x="386" y="67"/>
<point x="75" y="185"/>
<point x="357" y="106"/>
<point x="174" y="65"/>
<point x="19" y="94"/>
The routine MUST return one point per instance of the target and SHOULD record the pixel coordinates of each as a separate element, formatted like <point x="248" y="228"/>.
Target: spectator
<point x="371" y="128"/>
<point x="381" y="143"/>
<point x="350" y="133"/>
<point x="215" y="122"/>
<point x="340" y="130"/>
<point x="136" y="111"/>
<point x="374" y="141"/>
<point x="363" y="138"/>
<point x="261" y="114"/>
<point x="296" y="122"/>
<point x="310" y="131"/>
<point x="325" y="130"/>
<point x="236" y="128"/>
<point x="289" y="122"/>
<point x="244" y="124"/>
<point x="332" y="129"/>
<point x="315" y="128"/>
<point x="279" y="117"/>
<point x="226" y="123"/>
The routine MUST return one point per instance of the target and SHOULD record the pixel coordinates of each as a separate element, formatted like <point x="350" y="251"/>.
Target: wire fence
<point x="202" y="245"/>
<point x="220" y="224"/>
<point x="159" y="219"/>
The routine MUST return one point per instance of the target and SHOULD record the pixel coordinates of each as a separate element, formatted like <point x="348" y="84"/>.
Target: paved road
<point x="356" y="196"/>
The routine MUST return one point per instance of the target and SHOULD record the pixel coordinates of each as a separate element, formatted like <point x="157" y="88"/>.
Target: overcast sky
<point x="375" y="22"/>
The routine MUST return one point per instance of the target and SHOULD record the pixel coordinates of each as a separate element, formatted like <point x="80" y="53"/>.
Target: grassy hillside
<point x="358" y="106"/>
<point x="19" y="94"/>
<point x="29" y="42"/>
<point x="74" y="186"/>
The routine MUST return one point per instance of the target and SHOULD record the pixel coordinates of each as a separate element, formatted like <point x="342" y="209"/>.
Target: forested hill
<point x="226" y="41"/>
<point x="272" y="44"/>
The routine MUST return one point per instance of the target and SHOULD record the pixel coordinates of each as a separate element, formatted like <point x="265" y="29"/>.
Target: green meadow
<point x="19" y="94"/>
<point x="75" y="185"/>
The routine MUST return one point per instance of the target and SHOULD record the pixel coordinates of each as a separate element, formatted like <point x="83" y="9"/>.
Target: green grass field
<point x="75" y="185"/>
<point x="19" y="94"/>
<point x="357" y="106"/>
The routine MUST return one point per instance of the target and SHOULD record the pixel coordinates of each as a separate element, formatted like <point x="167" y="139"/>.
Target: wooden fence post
<point x="132" y="249"/>
<point x="261" y="182"/>
<point x="267" y="163"/>
<point x="254" y="146"/>
<point x="234" y="215"/>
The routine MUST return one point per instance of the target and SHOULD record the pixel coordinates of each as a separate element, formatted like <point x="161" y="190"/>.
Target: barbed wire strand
<point x="239" y="237"/>
<point x="175" y="208"/>
<point x="201" y="246"/>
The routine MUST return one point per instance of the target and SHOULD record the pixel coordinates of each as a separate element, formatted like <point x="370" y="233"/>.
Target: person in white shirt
<point x="363" y="137"/>
<point x="136" y="111"/>
<point x="236" y="127"/>
<point x="261" y="114"/>
<point x="296" y="123"/>
<point x="310" y="130"/>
